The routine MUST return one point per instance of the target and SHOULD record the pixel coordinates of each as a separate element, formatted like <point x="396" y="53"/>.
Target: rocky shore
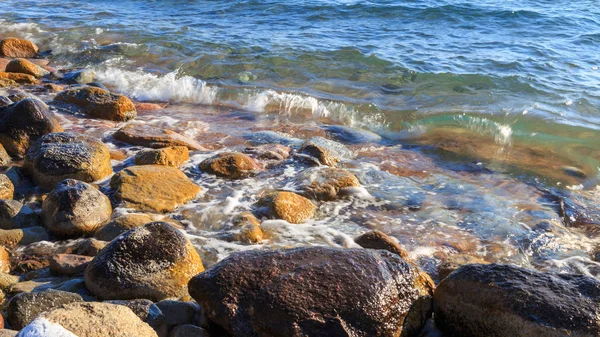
<point x="89" y="247"/>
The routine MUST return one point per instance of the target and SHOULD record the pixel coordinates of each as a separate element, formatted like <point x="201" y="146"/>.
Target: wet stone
<point x="24" y="307"/>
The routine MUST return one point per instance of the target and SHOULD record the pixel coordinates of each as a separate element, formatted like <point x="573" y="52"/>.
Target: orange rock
<point x="148" y="106"/>
<point x="169" y="156"/>
<point x="23" y="66"/>
<point x="288" y="206"/>
<point x="99" y="103"/>
<point x="150" y="136"/>
<point x="19" y="78"/>
<point x="4" y="261"/>
<point x="232" y="165"/>
<point x="13" y="47"/>
<point x="3" y="63"/>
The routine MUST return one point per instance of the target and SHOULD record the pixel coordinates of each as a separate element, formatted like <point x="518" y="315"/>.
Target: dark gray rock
<point x="272" y="137"/>
<point x="314" y="291"/>
<point x="493" y="300"/>
<point x="74" y="209"/>
<point x="189" y="330"/>
<point x="148" y="312"/>
<point x="82" y="76"/>
<point x="23" y="123"/>
<point x="179" y="312"/>
<point x="24" y="307"/>
<point x="64" y="155"/>
<point x="14" y="214"/>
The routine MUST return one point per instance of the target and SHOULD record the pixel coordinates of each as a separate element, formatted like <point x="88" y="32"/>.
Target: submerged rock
<point x="154" y="261"/>
<point x="314" y="291"/>
<point x="288" y="206"/>
<point x="88" y="319"/>
<point x="26" y="67"/>
<point x="349" y="135"/>
<point x="23" y="123"/>
<point x="272" y="137"/>
<point x="7" y="189"/>
<point x="14" y="47"/>
<point x="509" y="301"/>
<point x="455" y="261"/>
<point x="99" y="103"/>
<point x="233" y="165"/>
<point x="169" y="156"/>
<point x="14" y="214"/>
<point x="83" y="76"/>
<point x="153" y="187"/>
<point x="269" y="152"/>
<point x="64" y="155"/>
<point x="379" y="240"/>
<point x="75" y="209"/>
<point x="24" y="307"/>
<point x="326" y="184"/>
<point x="249" y="228"/>
<point x="150" y="136"/>
<point x="325" y="152"/>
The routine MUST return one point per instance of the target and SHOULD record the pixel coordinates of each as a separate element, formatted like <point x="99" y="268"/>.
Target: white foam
<point x="170" y="87"/>
<point x="41" y="327"/>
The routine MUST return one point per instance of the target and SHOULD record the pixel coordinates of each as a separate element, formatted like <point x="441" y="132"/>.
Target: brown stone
<point x="154" y="261"/>
<point x="288" y="206"/>
<point x="153" y="187"/>
<point x="75" y="209"/>
<point x="23" y="123"/>
<point x="5" y="159"/>
<point x="23" y="66"/>
<point x="99" y="103"/>
<point x="90" y="247"/>
<point x="379" y="240"/>
<point x="7" y="189"/>
<point x="14" y="214"/>
<point x="64" y="155"/>
<point x="3" y="63"/>
<point x="69" y="264"/>
<point x="121" y="225"/>
<point x="169" y="156"/>
<point x="150" y="136"/>
<point x="7" y="83"/>
<point x="249" y="228"/>
<point x="233" y="165"/>
<point x="13" y="47"/>
<point x="327" y="183"/>
<point x="13" y="237"/>
<point x="148" y="106"/>
<point x="269" y="152"/>
<point x="18" y="78"/>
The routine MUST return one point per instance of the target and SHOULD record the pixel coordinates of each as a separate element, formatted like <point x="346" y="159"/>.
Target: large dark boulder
<point x="22" y="123"/>
<point x="493" y="300"/>
<point x="62" y="155"/>
<point x="314" y="291"/>
<point x="154" y="261"/>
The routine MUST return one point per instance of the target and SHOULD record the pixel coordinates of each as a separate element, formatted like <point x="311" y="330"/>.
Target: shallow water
<point x="481" y="108"/>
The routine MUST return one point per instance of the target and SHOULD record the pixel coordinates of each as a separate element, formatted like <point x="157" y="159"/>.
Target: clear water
<point x="507" y="89"/>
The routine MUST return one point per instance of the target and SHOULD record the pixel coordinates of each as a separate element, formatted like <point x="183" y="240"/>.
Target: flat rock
<point x="7" y="189"/>
<point x="64" y="155"/>
<point x="14" y="214"/>
<point x="74" y="209"/>
<point x="23" y="123"/>
<point x="169" y="156"/>
<point x="314" y="291"/>
<point x="120" y="225"/>
<point x="349" y="135"/>
<point x="69" y="264"/>
<point x="14" y="47"/>
<point x="154" y="261"/>
<point x="153" y="188"/>
<point x="503" y="300"/>
<point x="18" y="78"/>
<point x="232" y="165"/>
<point x="287" y="206"/>
<point x="88" y="319"/>
<point x="24" y="66"/>
<point x="24" y="307"/>
<point x="326" y="183"/>
<point x="99" y="103"/>
<point x="150" y="136"/>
